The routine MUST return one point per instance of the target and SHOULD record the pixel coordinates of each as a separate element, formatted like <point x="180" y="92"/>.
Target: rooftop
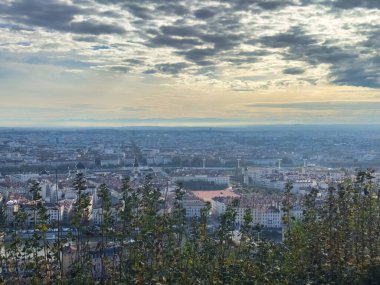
<point x="209" y="195"/>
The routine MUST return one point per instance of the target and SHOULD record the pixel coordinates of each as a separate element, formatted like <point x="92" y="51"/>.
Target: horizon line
<point x="226" y="126"/>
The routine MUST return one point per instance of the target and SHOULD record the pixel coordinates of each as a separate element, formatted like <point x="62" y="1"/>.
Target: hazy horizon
<point x="306" y="127"/>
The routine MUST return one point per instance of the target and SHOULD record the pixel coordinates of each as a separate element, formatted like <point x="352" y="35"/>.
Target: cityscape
<point x="248" y="169"/>
<point x="189" y="142"/>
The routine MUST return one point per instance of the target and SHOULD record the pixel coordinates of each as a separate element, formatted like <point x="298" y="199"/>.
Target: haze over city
<point x="188" y="63"/>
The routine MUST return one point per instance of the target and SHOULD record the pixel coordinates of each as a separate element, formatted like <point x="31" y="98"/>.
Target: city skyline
<point x="96" y="63"/>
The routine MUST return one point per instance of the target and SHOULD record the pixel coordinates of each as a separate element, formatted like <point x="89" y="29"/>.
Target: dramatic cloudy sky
<point x="189" y="62"/>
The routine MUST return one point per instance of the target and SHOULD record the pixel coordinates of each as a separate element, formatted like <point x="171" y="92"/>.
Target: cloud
<point x="295" y="37"/>
<point x="302" y="46"/>
<point x="196" y="43"/>
<point x="171" y="68"/>
<point x="373" y="36"/>
<point x="344" y="4"/>
<point x="358" y="74"/>
<point x="274" y="5"/>
<point x="333" y="105"/>
<point x="120" y="68"/>
<point x="293" y="71"/>
<point x="205" y="13"/>
<point x="245" y="57"/>
<point x="222" y="42"/>
<point x="350" y="4"/>
<point x="50" y="14"/>
<point x="94" y="28"/>
<point x="198" y="55"/>
<point x="100" y="47"/>
<point x="179" y="43"/>
<point x="207" y="43"/>
<point x="134" y="61"/>
<point x="182" y="31"/>
<point x="85" y="38"/>
<point x="150" y="71"/>
<point x="262" y="4"/>
<point x="138" y="10"/>
<point x="55" y="15"/>
<point x="173" y="8"/>
<point x="347" y="66"/>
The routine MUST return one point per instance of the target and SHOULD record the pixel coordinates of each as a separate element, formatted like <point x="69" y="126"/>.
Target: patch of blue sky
<point x="100" y="47"/>
<point x="67" y="63"/>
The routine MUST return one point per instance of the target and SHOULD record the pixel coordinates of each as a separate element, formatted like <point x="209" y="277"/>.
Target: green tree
<point x="39" y="265"/>
<point x="81" y="267"/>
<point x="106" y="228"/>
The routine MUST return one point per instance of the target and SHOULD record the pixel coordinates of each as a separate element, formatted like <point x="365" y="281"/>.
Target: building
<point x="193" y="206"/>
<point x="271" y="217"/>
<point x="219" y="180"/>
<point x="97" y="216"/>
<point x="55" y="213"/>
<point x="11" y="208"/>
<point x="264" y="211"/>
<point x="23" y="177"/>
<point x="110" y="160"/>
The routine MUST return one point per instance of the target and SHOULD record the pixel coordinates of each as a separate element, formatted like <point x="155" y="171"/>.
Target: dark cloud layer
<point x="345" y="4"/>
<point x="205" y="13"/>
<point x="198" y="55"/>
<point x="55" y="15"/>
<point x="179" y="43"/>
<point x="261" y="4"/>
<point x="171" y="68"/>
<point x="93" y="28"/>
<point x="373" y="38"/>
<point x="295" y="37"/>
<point x="138" y="10"/>
<point x="349" y="4"/>
<point x="174" y="8"/>
<point x="293" y="71"/>
<point x="209" y="33"/>
<point x="347" y="66"/>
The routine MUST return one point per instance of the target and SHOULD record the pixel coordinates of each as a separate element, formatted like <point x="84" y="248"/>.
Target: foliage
<point x="142" y="241"/>
<point x="80" y="268"/>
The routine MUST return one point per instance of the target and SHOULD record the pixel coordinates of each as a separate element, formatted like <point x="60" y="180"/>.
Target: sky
<point x="113" y="63"/>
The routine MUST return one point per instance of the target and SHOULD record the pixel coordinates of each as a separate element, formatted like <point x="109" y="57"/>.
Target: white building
<point x="219" y="180"/>
<point x="297" y="212"/>
<point x="271" y="218"/>
<point x="23" y="177"/>
<point x="97" y="215"/>
<point x="266" y="213"/>
<point x="110" y="160"/>
<point x="218" y="206"/>
<point x="11" y="207"/>
<point x="193" y="206"/>
<point x="46" y="190"/>
<point x="55" y="213"/>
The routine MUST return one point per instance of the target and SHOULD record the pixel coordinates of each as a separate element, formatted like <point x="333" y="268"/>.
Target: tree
<point x="81" y="267"/>
<point x="106" y="228"/>
<point x="336" y="242"/>
<point x="38" y="242"/>
<point x="128" y="219"/>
